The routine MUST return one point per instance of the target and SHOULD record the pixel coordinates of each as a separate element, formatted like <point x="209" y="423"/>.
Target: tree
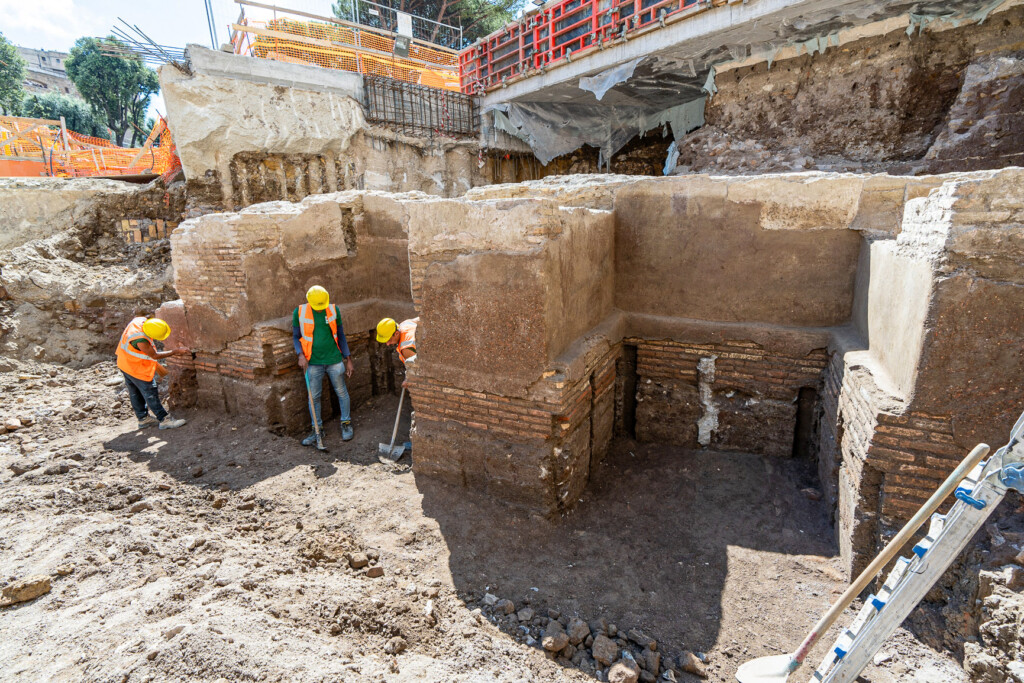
<point x="77" y="114"/>
<point x="117" y="88"/>
<point x="12" y="74"/>
<point x="476" y="17"/>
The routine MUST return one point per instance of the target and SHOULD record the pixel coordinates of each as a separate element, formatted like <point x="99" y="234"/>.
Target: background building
<point x="44" y="72"/>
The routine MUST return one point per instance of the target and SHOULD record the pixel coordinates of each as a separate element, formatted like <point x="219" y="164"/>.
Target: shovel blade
<point x="774" y="669"/>
<point x="385" y="450"/>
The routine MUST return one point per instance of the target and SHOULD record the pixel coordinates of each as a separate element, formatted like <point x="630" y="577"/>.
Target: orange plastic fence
<point x="68" y="154"/>
<point x="348" y="48"/>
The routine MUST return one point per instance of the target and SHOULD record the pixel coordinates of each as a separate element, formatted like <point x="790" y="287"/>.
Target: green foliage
<point x="12" y="75"/>
<point x="77" y="114"/>
<point x="117" y="88"/>
<point x="476" y="17"/>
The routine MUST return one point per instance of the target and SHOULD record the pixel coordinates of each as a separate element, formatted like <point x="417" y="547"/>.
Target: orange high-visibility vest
<point x="407" y="336"/>
<point x="306" y="324"/>
<point x="135" y="363"/>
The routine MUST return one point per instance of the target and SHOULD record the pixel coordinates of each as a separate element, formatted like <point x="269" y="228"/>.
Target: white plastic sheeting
<point x="608" y="79"/>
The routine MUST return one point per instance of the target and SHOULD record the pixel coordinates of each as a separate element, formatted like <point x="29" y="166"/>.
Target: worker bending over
<point x="137" y="360"/>
<point x="320" y="344"/>
<point x="401" y="335"/>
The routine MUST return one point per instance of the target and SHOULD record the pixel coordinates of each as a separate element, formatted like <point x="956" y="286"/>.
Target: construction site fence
<point x="563" y="31"/>
<point x="347" y="47"/>
<point x="419" y="110"/>
<point x="47" y="147"/>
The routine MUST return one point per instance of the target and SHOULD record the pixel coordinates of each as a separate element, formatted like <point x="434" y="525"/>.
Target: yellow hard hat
<point x="386" y="329"/>
<point x="318" y="298"/>
<point x="157" y="329"/>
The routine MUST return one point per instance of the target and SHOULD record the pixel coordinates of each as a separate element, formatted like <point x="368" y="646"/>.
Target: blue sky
<point x="56" y="24"/>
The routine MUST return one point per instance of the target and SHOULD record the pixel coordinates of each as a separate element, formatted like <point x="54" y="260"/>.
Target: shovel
<point x="777" y="668"/>
<point x="391" y="452"/>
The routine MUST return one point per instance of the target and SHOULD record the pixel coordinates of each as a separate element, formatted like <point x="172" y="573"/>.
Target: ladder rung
<point x="897" y="573"/>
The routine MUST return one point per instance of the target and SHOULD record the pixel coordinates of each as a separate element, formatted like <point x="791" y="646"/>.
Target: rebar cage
<point x="420" y="110"/>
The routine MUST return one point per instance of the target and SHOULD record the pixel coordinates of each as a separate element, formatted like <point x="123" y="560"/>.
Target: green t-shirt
<point x="325" y="351"/>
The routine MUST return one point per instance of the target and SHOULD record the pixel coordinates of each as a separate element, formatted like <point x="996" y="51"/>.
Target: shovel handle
<point x="890" y="551"/>
<point x="398" y="416"/>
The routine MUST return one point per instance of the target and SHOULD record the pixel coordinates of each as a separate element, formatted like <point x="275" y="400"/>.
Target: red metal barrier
<point x="562" y="31"/>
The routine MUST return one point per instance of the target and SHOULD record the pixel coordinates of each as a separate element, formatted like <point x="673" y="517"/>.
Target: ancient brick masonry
<point x="748" y="384"/>
<point x="883" y="331"/>
<point x="241" y="275"/>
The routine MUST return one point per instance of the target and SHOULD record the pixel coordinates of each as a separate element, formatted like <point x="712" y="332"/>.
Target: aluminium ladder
<point x="912" y="577"/>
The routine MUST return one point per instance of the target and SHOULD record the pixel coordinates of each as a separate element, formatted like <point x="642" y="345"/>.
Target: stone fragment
<point x="624" y="671"/>
<point x="811" y="493"/>
<point x="605" y="650"/>
<point x="375" y="572"/>
<point x="218" y="503"/>
<point x="64" y="569"/>
<point x="141" y="506"/>
<point x="20" y="467"/>
<point x="651" y="660"/>
<point x="358" y="560"/>
<point x="691" y="664"/>
<point x="12" y="424"/>
<point x="577" y="630"/>
<point x="395" y="646"/>
<point x="490" y="600"/>
<point x="505" y="607"/>
<point x="26" y="420"/>
<point x="641" y="639"/>
<point x="555" y="638"/>
<point x="526" y="614"/>
<point x="197" y="471"/>
<point x="248" y="505"/>
<point x="25" y="589"/>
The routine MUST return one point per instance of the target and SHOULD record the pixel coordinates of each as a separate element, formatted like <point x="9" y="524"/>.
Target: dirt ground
<point x="220" y="551"/>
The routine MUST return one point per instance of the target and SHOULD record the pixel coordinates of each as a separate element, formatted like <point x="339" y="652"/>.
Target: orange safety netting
<point x="348" y="48"/>
<point x="64" y="153"/>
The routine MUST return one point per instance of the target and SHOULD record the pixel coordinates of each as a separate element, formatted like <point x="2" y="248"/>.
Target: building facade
<point x="45" y="72"/>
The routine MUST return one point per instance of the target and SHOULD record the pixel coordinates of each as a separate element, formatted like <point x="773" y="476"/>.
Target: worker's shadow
<point x="214" y="452"/>
<point x="658" y="534"/>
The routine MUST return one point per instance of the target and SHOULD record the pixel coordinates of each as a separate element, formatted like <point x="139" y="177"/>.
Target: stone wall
<point x="253" y="130"/>
<point x="940" y="100"/>
<point x="37" y="208"/>
<point x="932" y="365"/>
<point x="872" y="320"/>
<point x="241" y="275"/>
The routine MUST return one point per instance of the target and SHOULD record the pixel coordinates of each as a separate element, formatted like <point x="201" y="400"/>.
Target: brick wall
<point x="748" y="401"/>
<point x="878" y="461"/>
<point x="537" y="452"/>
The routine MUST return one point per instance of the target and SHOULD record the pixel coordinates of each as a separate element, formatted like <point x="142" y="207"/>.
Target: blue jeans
<point x="315" y="377"/>
<point x="143" y="394"/>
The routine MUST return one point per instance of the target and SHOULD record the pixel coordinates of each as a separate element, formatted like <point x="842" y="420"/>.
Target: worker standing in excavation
<point x="320" y="344"/>
<point x="137" y="360"/>
<point x="400" y="335"/>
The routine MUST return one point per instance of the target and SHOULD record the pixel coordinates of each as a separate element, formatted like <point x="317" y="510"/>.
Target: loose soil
<point x="222" y="551"/>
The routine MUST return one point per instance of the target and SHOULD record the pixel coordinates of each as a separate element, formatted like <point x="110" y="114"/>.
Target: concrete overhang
<point x="676" y="59"/>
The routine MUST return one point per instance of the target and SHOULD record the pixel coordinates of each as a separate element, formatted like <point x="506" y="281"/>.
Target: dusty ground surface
<point x="221" y="551"/>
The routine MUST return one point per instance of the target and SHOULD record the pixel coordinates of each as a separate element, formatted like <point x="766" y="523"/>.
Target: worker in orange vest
<point x="137" y="360"/>
<point x="320" y="344"/>
<point x="400" y="335"/>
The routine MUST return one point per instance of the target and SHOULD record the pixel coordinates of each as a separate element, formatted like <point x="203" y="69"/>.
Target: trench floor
<point x="220" y="550"/>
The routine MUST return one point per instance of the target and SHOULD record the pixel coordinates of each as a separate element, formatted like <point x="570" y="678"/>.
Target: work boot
<point x="346" y="431"/>
<point x="310" y="440"/>
<point x="147" y="421"/>
<point x="171" y="422"/>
